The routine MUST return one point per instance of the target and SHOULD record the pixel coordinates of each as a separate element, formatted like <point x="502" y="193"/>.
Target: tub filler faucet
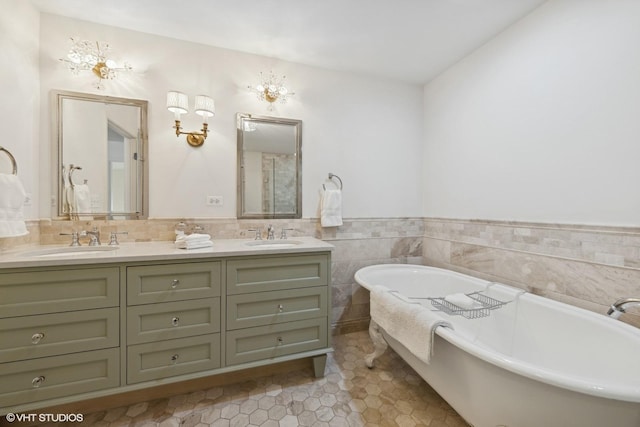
<point x="619" y="307"/>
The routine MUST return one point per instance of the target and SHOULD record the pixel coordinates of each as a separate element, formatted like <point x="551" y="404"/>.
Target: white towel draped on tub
<point x="12" y="196"/>
<point x="412" y="325"/>
<point x="331" y="208"/>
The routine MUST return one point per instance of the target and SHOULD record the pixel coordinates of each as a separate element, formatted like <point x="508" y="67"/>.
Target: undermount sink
<point x="274" y="244"/>
<point x="70" y="251"/>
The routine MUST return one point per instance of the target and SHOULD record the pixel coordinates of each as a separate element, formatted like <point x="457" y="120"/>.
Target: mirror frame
<point x="297" y="124"/>
<point x="57" y="97"/>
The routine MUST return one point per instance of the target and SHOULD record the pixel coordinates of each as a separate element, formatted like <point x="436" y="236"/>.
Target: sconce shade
<point x="177" y="102"/>
<point x="205" y="106"/>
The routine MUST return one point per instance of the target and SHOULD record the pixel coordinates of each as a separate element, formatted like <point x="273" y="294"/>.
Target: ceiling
<point x="405" y="40"/>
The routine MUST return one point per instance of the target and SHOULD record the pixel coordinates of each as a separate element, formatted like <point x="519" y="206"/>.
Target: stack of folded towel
<point x="193" y="241"/>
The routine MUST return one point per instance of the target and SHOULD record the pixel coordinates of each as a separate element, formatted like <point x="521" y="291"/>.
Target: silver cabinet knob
<point x="174" y="359"/>
<point x="36" y="338"/>
<point x="280" y="340"/>
<point x="175" y="283"/>
<point x="280" y="308"/>
<point x="175" y="321"/>
<point x="37" y="381"/>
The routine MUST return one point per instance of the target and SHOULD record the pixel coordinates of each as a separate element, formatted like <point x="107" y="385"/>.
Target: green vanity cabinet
<point x="277" y="306"/>
<point x="75" y="332"/>
<point x="59" y="333"/>
<point x="182" y="336"/>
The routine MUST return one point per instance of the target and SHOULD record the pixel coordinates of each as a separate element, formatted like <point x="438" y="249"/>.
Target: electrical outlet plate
<point x="214" y="201"/>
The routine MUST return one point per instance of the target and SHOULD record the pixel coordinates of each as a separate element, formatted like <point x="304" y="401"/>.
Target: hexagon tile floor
<point x="391" y="394"/>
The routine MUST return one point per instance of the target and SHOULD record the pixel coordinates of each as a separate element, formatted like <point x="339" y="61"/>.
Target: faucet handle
<point x="75" y="241"/>
<point x="283" y="234"/>
<point x="113" y="237"/>
<point x="258" y="233"/>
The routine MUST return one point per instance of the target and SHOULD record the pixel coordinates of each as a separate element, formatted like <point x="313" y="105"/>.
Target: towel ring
<point x="71" y="169"/>
<point x="331" y="176"/>
<point x="14" y="164"/>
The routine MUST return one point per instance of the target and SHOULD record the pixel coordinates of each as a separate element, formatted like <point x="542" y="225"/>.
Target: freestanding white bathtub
<point x="534" y="362"/>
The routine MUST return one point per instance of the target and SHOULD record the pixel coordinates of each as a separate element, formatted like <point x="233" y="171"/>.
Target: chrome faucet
<point x="94" y="236"/>
<point x="270" y="231"/>
<point x="619" y="307"/>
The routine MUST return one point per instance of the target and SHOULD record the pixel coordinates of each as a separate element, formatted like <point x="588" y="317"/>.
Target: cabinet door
<point x="40" y="292"/>
<point x="153" y="322"/>
<point x="58" y="376"/>
<point x="275" y="273"/>
<point x="169" y="358"/>
<point x="267" y="342"/>
<point x="173" y="282"/>
<point x="29" y="337"/>
<point x="265" y="308"/>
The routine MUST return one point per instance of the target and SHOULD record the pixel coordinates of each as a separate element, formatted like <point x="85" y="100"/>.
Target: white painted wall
<point x="543" y="122"/>
<point x="366" y="130"/>
<point x="19" y="115"/>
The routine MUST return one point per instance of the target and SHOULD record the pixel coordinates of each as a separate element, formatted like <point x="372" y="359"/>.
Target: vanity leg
<point x="319" y="363"/>
<point x="379" y="344"/>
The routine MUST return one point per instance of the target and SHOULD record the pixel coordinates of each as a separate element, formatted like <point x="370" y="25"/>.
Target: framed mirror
<point x="101" y="145"/>
<point x="269" y="167"/>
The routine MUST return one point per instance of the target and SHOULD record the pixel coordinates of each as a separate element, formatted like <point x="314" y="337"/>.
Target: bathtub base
<point x="488" y="396"/>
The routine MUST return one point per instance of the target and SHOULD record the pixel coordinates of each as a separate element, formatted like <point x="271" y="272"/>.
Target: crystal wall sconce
<point x="178" y="103"/>
<point x="271" y="89"/>
<point x="86" y="55"/>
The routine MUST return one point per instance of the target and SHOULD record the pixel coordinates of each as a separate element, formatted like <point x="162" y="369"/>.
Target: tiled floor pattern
<point x="391" y="394"/>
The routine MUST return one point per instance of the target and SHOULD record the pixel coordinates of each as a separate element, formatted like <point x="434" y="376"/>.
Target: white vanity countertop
<point x="43" y="256"/>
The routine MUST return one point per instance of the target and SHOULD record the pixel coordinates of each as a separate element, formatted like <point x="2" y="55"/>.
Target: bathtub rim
<point x="604" y="390"/>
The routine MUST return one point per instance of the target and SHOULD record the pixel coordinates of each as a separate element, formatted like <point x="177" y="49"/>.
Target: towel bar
<point x="14" y="164"/>
<point x="331" y="176"/>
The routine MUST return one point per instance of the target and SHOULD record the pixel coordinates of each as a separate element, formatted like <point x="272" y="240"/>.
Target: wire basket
<point x="486" y="304"/>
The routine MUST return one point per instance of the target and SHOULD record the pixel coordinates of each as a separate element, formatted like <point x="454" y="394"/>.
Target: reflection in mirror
<point x="101" y="145"/>
<point x="269" y="167"/>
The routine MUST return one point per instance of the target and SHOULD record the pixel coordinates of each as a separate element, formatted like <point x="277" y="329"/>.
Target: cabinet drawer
<point x="51" y="377"/>
<point x="173" y="357"/>
<point x="22" y="294"/>
<point x="173" y="282"/>
<point x="53" y="334"/>
<point x="266" y="342"/>
<point x="146" y="323"/>
<point x="276" y="273"/>
<point x="264" y="308"/>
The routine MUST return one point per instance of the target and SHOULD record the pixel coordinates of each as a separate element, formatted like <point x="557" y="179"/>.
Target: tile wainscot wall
<point x="585" y="266"/>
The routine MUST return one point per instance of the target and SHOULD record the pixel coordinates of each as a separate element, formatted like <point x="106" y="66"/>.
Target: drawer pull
<point x="280" y="308"/>
<point x="174" y="359"/>
<point x="37" y="381"/>
<point x="280" y="341"/>
<point x="175" y="283"/>
<point x="36" y="338"/>
<point x="175" y="321"/>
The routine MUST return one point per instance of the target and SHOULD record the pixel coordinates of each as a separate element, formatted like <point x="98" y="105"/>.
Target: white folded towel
<point x="194" y="245"/>
<point x="413" y="325"/>
<point x="12" y="197"/>
<point x="82" y="199"/>
<point x="193" y="241"/>
<point x="331" y="208"/>
<point x="463" y="301"/>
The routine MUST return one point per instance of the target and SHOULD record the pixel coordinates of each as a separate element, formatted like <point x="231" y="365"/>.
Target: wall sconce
<point x="178" y="103"/>
<point x="85" y="55"/>
<point x="271" y="89"/>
